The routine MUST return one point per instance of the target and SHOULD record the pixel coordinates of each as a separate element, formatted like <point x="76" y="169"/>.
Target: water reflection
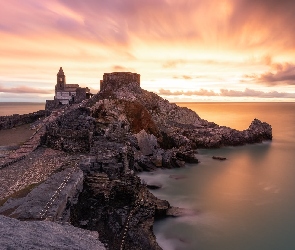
<point x="246" y="202"/>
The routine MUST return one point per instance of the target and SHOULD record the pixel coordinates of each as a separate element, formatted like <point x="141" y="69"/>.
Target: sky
<point x="184" y="50"/>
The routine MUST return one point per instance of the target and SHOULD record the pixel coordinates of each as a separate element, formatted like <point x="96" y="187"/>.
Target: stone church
<point x="66" y="94"/>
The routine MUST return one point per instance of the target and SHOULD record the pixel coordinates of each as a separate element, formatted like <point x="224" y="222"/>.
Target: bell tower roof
<point x="60" y="72"/>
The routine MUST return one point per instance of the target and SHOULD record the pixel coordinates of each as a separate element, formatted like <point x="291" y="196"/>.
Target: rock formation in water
<point x="118" y="132"/>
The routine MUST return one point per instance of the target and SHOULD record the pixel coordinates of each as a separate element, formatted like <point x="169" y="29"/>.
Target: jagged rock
<point x="146" y="142"/>
<point x="17" y="234"/>
<point x="157" y="158"/>
<point x="189" y="156"/>
<point x="116" y="206"/>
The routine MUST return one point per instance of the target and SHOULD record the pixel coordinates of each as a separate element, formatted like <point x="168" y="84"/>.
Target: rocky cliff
<point x="160" y="133"/>
<point x="118" y="132"/>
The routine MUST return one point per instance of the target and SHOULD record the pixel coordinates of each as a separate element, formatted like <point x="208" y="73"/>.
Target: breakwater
<point x="11" y="121"/>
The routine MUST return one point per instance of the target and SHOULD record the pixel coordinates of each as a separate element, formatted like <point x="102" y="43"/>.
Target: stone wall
<point x="52" y="104"/>
<point x="80" y="94"/>
<point x="11" y="121"/>
<point x="71" y="132"/>
<point x="118" y="78"/>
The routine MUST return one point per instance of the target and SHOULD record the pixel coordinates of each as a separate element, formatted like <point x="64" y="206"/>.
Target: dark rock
<point x="189" y="156"/>
<point x="146" y="142"/>
<point x="219" y="158"/>
<point x="113" y="207"/>
<point x="154" y="185"/>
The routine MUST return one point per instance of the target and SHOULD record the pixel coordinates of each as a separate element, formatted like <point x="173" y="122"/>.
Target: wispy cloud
<point x="158" y="38"/>
<point x="185" y="77"/>
<point x="122" y="68"/>
<point x="283" y="74"/>
<point x="279" y="74"/>
<point x="229" y="93"/>
<point x="119" y="21"/>
<point x="201" y="92"/>
<point x="24" y="89"/>
<point x="173" y="63"/>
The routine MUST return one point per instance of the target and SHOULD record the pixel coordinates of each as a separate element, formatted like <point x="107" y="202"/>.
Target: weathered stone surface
<point x="17" y="234"/>
<point x="51" y="199"/>
<point x="146" y="142"/>
<point x="122" y="210"/>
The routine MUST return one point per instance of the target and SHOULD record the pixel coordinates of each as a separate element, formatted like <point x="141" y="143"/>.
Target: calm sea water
<point x="244" y="203"/>
<point x="10" y="108"/>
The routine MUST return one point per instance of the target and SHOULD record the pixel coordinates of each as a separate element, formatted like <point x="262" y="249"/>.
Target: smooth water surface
<point x="10" y="108"/>
<point x="244" y="203"/>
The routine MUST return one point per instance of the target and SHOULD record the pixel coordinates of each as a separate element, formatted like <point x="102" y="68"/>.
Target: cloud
<point x="229" y="93"/>
<point x="254" y="93"/>
<point x="284" y="74"/>
<point x="122" y="68"/>
<point x="231" y="22"/>
<point x="173" y="63"/>
<point x="201" y="92"/>
<point x="185" y="77"/>
<point x="279" y="74"/>
<point x="24" y="89"/>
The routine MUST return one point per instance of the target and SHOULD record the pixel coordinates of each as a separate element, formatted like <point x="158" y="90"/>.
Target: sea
<point x="10" y="108"/>
<point x="246" y="202"/>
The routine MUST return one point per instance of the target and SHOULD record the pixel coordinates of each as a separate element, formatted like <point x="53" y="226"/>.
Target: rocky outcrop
<point x="17" y="234"/>
<point x="120" y="131"/>
<point x="181" y="127"/>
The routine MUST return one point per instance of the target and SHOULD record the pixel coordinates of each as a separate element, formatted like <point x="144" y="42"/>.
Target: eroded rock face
<point x="118" y="206"/>
<point x="147" y="143"/>
<point x="71" y="132"/>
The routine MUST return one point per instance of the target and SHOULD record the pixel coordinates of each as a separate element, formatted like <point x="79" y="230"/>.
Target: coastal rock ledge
<point x="120" y="131"/>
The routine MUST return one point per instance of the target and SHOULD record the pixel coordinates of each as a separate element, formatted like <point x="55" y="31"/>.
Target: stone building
<point x="118" y="78"/>
<point x="66" y="93"/>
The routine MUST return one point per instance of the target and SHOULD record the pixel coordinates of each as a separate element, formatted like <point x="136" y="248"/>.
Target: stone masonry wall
<point x="118" y="78"/>
<point x="7" y="122"/>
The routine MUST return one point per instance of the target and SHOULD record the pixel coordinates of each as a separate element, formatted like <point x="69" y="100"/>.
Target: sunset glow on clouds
<point x="185" y="50"/>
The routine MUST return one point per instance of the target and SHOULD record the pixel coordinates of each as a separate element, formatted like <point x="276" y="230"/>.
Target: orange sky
<point x="201" y="50"/>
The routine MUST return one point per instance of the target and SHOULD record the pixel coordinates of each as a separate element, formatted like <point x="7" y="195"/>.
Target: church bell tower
<point x="61" y="80"/>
